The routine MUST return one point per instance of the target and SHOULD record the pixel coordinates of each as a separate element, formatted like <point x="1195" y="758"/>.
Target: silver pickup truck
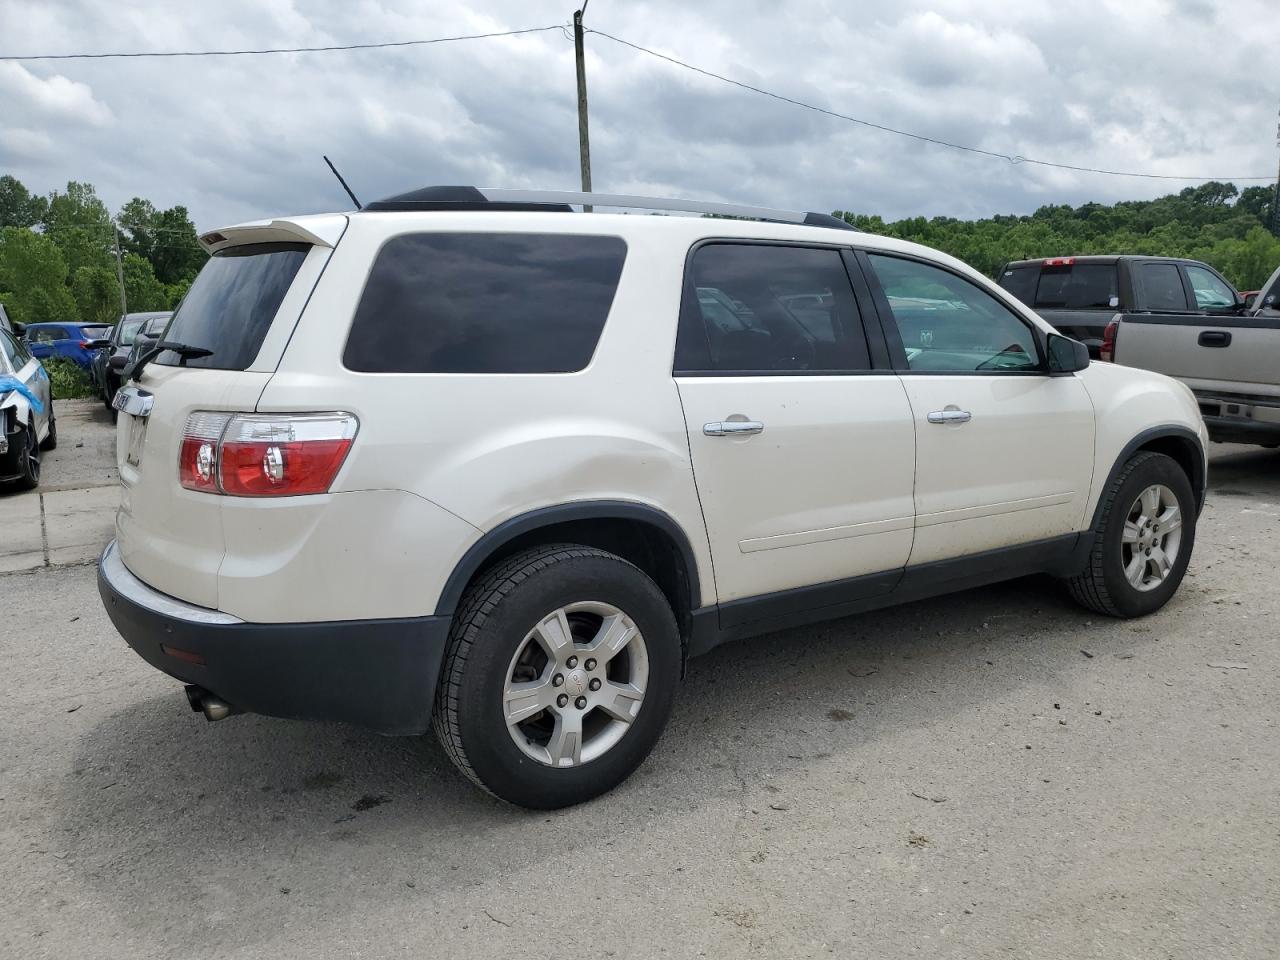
<point x="1230" y="362"/>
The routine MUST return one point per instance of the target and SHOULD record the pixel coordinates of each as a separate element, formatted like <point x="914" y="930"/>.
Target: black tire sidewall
<point x="494" y="757"/>
<point x="1130" y="601"/>
<point x="30" y="445"/>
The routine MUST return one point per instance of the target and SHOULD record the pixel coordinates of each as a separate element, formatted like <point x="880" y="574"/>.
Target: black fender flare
<point x="492" y="541"/>
<point x="1199" y="485"/>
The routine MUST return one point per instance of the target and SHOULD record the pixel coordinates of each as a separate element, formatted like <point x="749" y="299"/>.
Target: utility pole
<point x="584" y="141"/>
<point x="124" y="306"/>
<point x="1275" y="198"/>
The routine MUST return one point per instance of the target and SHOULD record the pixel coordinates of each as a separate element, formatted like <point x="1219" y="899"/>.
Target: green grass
<point x="69" y="380"/>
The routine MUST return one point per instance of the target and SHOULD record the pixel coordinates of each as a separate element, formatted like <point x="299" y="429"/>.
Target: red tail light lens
<point x="1108" y="349"/>
<point x="265" y="455"/>
<point x="1060" y="262"/>
<point x="198" y="455"/>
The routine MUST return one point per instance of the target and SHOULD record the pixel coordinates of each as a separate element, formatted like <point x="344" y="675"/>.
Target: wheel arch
<point x="639" y="533"/>
<point x="1178" y="442"/>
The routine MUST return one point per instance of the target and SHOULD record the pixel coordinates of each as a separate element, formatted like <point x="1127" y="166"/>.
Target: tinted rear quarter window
<point x="232" y="302"/>
<point x="485" y="303"/>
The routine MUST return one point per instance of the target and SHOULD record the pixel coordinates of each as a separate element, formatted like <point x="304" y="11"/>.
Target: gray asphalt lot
<point x="993" y="774"/>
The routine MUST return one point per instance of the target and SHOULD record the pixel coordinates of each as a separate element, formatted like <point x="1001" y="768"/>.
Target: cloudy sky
<point x="1161" y="86"/>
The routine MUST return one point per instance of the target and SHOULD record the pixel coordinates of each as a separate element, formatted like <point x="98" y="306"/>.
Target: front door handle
<point x="1214" y="338"/>
<point x="950" y="415"/>
<point x="732" y="428"/>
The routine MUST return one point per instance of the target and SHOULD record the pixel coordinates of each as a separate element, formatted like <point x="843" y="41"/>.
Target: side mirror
<point x="117" y="362"/>
<point x="19" y="329"/>
<point x="1066" y="355"/>
<point x="97" y="345"/>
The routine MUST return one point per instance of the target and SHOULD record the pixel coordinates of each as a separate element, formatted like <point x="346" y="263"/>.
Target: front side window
<point x="767" y="308"/>
<point x="485" y="303"/>
<point x="1162" y="285"/>
<point x="1211" y="291"/>
<point x="949" y="324"/>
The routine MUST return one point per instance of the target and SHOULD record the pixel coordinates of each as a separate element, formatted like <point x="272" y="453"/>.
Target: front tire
<point x="559" y="677"/>
<point x="1141" y="549"/>
<point x="28" y="459"/>
<point x="50" y="441"/>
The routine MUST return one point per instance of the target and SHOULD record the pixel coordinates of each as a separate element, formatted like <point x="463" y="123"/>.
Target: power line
<point x="270" y="50"/>
<point x="894" y="130"/>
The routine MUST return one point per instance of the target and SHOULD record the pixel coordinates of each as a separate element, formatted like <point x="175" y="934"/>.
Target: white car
<point x="474" y="459"/>
<point x="27" y="423"/>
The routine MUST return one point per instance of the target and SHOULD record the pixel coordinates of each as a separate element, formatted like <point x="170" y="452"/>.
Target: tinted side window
<point x="763" y="308"/>
<point x="1021" y="282"/>
<point x="950" y="324"/>
<point x="1162" y="285"/>
<point x="485" y="303"/>
<point x="1211" y="291"/>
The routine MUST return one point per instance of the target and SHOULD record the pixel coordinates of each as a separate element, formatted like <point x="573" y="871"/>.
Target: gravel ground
<point x="993" y="774"/>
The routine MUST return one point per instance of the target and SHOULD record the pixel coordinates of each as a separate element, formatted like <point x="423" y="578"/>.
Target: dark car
<point x="109" y="363"/>
<point x="1081" y="295"/>
<point x="73" y="341"/>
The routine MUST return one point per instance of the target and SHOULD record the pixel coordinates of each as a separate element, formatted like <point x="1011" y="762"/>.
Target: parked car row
<point x="1173" y="316"/>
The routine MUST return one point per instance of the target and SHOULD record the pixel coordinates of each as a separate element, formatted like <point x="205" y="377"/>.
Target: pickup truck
<point x="1231" y="362"/>
<point x="1081" y="295"/>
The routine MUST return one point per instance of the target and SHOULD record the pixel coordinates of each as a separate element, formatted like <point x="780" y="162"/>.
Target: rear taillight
<point x="1108" y="350"/>
<point x="84" y="344"/>
<point x="264" y="455"/>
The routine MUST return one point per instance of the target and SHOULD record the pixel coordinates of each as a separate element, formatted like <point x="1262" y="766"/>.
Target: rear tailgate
<point x="243" y="306"/>
<point x="1234" y="355"/>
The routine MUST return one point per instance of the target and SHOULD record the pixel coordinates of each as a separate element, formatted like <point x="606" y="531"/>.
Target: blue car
<point x="70" y="340"/>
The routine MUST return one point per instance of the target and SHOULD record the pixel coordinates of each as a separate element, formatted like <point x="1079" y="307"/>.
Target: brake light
<point x="84" y="344"/>
<point x="1060" y="262"/>
<point x="1108" y="349"/>
<point x="264" y="455"/>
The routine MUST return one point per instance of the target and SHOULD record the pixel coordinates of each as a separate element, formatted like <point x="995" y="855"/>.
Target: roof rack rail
<point x="488" y="198"/>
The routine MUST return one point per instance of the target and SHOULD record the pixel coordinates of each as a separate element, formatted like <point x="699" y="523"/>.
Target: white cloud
<point x="1125" y="84"/>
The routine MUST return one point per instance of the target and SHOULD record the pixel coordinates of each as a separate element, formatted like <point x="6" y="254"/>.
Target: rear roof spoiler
<point x="322" y="231"/>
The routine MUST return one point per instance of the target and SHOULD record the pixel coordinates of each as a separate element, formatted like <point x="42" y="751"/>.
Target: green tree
<point x="97" y="294"/>
<point x="167" y="238"/>
<point x="18" y="208"/>
<point x="79" y="223"/>
<point x="33" y="275"/>
<point x="141" y="288"/>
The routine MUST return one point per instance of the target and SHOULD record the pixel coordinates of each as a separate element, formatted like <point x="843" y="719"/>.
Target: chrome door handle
<point x="950" y="415"/>
<point x="732" y="428"/>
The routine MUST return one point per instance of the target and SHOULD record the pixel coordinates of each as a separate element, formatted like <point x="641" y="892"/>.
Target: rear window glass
<point x="232" y="302"/>
<point x="1021" y="282"/>
<point x="484" y="303"/>
<point x="1081" y="286"/>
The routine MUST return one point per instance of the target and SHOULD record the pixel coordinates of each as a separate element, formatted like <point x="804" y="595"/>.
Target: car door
<point x="802" y="447"/>
<point x="28" y="371"/>
<point x="1004" y="450"/>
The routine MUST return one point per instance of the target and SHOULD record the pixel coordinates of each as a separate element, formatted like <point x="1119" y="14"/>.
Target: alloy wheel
<point x="575" y="684"/>
<point x="1151" y="538"/>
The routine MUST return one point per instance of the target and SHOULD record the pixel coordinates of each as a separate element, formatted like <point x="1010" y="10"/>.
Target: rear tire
<point x="543" y="721"/>
<point x="1143" y="543"/>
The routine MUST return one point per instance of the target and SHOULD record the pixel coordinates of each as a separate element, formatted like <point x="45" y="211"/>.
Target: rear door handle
<point x="1214" y="338"/>
<point x="732" y="428"/>
<point x="950" y="415"/>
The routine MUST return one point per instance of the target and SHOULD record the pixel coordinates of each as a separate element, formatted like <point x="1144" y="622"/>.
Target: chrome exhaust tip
<point x="202" y="701"/>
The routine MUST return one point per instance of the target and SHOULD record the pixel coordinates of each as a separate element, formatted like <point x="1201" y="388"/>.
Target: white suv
<point x="476" y="459"/>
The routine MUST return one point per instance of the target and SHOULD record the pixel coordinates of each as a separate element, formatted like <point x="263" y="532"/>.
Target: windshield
<point x="232" y="302"/>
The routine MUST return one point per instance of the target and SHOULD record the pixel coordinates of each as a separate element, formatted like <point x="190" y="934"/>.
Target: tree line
<point x="58" y="262"/>
<point x="57" y="252"/>
<point x="1215" y="223"/>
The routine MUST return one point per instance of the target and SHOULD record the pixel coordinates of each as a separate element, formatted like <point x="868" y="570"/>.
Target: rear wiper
<point x="181" y="349"/>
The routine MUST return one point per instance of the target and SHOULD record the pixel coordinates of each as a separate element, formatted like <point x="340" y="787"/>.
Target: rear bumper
<point x="1236" y="418"/>
<point x="1240" y="430"/>
<point x="379" y="674"/>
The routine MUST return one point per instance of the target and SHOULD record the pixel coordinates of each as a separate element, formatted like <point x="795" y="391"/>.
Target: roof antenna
<point x="359" y="206"/>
